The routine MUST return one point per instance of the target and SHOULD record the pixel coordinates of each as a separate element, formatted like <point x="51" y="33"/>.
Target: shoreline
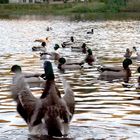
<point x="71" y="11"/>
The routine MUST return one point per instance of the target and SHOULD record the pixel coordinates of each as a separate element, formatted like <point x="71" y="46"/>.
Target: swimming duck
<point x="42" y="40"/>
<point x="89" y="57"/>
<point x="41" y="48"/>
<point x="49" y="115"/>
<point x="48" y="28"/>
<point x="136" y="54"/>
<point x="90" y="32"/>
<point x="68" y="43"/>
<point x="128" y="53"/>
<point x="33" y="79"/>
<point x="52" y="55"/>
<point x="82" y="49"/>
<point x="63" y="65"/>
<point x="111" y="73"/>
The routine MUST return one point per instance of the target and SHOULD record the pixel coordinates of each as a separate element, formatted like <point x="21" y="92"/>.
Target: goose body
<point x="49" y="115"/>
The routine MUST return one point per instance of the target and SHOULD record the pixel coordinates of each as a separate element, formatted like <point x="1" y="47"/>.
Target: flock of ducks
<point x="51" y="113"/>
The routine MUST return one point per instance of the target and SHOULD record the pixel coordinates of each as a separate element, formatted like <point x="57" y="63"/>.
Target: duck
<point x="41" y="48"/>
<point x="89" y="59"/>
<point x="90" y="32"/>
<point x="33" y="79"/>
<point x="136" y="54"/>
<point x="68" y="43"/>
<point x="52" y="55"/>
<point x="128" y="53"/>
<point x="82" y="49"/>
<point x="48" y="28"/>
<point x="63" y="65"/>
<point x="111" y="73"/>
<point x="50" y="114"/>
<point x="42" y="40"/>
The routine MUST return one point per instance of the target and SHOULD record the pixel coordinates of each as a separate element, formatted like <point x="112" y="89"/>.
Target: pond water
<point x="104" y="110"/>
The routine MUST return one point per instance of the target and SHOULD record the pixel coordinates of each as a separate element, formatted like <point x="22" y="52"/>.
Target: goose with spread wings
<point x="50" y="114"/>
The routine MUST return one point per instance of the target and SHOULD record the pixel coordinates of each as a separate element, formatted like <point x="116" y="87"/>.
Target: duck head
<point x="15" y="69"/>
<point x="56" y="47"/>
<point x="126" y="63"/>
<point x="89" y="51"/>
<point x="83" y="48"/>
<point x="49" y="74"/>
<point x="61" y="62"/>
<point x="43" y="44"/>
<point x="134" y="48"/>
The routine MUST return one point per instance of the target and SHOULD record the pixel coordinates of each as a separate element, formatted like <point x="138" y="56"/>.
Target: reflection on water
<point x="104" y="110"/>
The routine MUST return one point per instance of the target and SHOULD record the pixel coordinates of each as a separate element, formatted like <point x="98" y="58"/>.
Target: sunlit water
<point x="104" y="110"/>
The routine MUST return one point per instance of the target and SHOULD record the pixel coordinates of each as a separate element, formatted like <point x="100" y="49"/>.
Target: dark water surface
<point x="104" y="110"/>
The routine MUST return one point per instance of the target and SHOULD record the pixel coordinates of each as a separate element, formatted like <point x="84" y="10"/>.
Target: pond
<point x="104" y="110"/>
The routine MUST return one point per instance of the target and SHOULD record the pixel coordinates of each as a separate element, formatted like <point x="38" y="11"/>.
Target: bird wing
<point x="68" y="96"/>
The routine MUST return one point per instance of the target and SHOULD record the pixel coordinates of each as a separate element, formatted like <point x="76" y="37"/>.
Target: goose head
<point x="49" y="74"/>
<point x="16" y="69"/>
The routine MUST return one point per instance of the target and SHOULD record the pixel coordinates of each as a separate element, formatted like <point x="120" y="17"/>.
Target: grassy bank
<point x="86" y="10"/>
